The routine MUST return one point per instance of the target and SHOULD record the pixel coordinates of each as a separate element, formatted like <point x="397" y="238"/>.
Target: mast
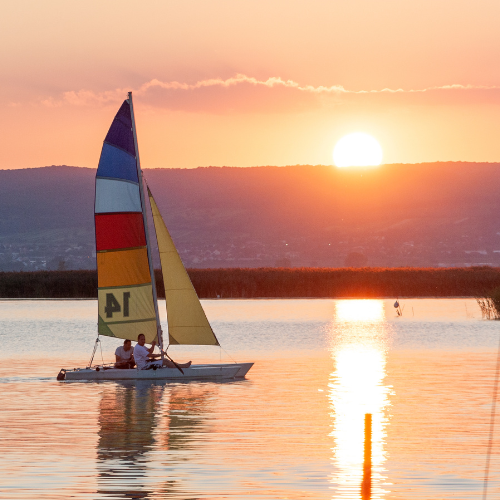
<point x="143" y="203"/>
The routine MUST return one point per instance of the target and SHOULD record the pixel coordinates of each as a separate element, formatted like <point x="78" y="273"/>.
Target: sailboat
<point x="127" y="300"/>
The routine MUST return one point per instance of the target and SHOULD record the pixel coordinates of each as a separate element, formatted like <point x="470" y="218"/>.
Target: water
<point x="293" y="430"/>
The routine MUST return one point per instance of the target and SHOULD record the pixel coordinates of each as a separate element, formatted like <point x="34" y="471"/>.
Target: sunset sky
<point x="244" y="83"/>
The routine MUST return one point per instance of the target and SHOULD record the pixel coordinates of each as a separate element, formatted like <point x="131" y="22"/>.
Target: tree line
<point x="276" y="282"/>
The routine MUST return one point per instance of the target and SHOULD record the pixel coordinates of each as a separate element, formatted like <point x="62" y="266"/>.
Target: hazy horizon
<point x="381" y="166"/>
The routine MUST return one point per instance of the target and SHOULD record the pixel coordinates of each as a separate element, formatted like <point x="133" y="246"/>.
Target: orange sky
<point x="260" y="82"/>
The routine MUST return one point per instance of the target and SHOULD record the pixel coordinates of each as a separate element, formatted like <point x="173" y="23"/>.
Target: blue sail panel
<point x="120" y="133"/>
<point x="117" y="164"/>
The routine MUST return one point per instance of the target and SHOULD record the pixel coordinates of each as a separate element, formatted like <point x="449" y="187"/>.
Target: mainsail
<point x="187" y="322"/>
<point x="127" y="304"/>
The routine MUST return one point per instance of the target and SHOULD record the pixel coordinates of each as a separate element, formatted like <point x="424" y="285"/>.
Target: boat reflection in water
<point x="140" y="424"/>
<point x="359" y="344"/>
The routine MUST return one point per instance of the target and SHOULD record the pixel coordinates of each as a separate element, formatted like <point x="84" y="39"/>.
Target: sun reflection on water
<point x="359" y="340"/>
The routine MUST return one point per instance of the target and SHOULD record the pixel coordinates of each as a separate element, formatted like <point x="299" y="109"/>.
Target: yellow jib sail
<point x="187" y="322"/>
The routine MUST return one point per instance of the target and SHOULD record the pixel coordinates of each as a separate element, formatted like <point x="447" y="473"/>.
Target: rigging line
<point x="228" y="354"/>
<point x="102" y="357"/>
<point x="492" y="425"/>
<point x="93" y="352"/>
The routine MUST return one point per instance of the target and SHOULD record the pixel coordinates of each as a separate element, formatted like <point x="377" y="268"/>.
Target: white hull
<point x="194" y="372"/>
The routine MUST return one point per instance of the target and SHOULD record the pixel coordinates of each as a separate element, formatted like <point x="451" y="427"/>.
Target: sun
<point x="357" y="150"/>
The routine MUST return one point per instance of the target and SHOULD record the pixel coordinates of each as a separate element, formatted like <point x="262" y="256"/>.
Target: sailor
<point x="125" y="355"/>
<point x="145" y="358"/>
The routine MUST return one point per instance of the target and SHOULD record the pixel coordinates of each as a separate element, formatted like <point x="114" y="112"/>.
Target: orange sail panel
<point x="125" y="294"/>
<point x="123" y="267"/>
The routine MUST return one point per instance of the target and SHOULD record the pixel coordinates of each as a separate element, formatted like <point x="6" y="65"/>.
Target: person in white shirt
<point x="144" y="357"/>
<point x="125" y="355"/>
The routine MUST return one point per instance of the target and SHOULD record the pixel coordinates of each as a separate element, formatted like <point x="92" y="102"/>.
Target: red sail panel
<point x="119" y="230"/>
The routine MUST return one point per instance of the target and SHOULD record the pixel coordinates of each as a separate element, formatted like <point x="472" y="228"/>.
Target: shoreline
<point x="277" y="283"/>
<point x="401" y="297"/>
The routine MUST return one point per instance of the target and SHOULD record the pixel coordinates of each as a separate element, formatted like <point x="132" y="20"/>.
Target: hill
<point x="432" y="214"/>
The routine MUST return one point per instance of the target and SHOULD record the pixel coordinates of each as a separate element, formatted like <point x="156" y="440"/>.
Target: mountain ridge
<point x="426" y="214"/>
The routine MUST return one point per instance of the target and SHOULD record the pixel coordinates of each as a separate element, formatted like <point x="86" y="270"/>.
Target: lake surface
<point x="294" y="429"/>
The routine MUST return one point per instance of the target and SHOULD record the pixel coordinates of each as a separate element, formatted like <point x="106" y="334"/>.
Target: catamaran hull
<point x="194" y="372"/>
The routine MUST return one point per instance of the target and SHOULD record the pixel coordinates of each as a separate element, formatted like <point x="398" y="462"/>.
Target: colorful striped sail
<point x="125" y="288"/>
<point x="187" y="322"/>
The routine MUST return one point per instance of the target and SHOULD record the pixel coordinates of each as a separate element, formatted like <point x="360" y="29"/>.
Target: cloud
<point x="244" y="93"/>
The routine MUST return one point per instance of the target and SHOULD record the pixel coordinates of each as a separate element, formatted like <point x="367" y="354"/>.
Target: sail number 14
<point x="113" y="306"/>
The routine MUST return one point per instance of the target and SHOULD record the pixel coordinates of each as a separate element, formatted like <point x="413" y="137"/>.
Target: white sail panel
<point x="116" y="196"/>
<point x="187" y="322"/>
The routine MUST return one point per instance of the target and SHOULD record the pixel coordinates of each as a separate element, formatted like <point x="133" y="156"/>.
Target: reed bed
<point x="277" y="283"/>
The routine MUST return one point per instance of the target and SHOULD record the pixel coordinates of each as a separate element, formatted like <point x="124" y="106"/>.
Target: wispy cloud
<point x="174" y="94"/>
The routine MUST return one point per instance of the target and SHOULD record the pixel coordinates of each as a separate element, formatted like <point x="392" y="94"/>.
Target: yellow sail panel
<point x="125" y="312"/>
<point x="129" y="329"/>
<point x="123" y="268"/>
<point x="126" y="303"/>
<point x="187" y="322"/>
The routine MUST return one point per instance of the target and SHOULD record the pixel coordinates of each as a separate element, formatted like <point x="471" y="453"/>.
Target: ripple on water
<point x="294" y="429"/>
